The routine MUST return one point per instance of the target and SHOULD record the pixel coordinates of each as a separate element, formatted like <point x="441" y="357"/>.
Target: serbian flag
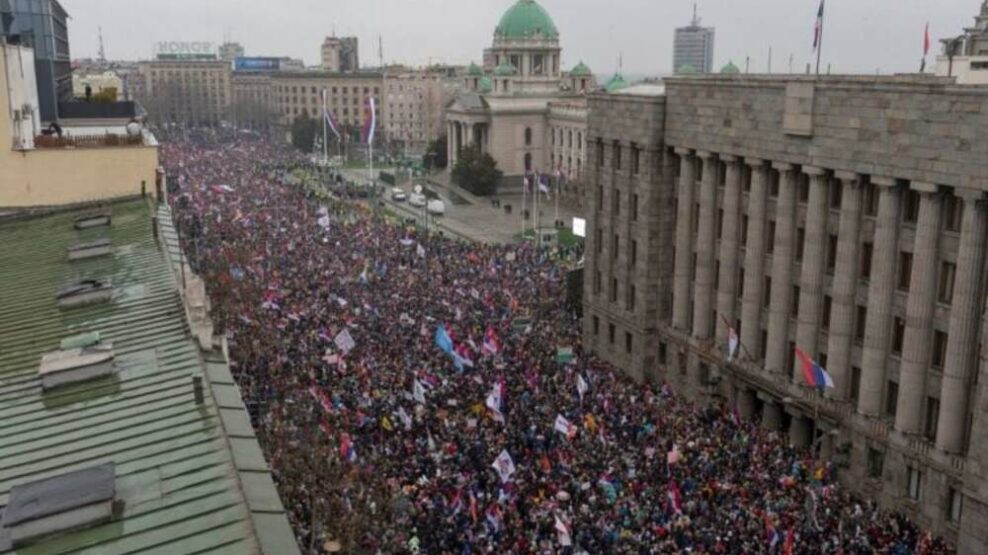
<point x="347" y="451"/>
<point x="564" y="426"/>
<point x="491" y="345"/>
<point x="370" y="123"/>
<point x="814" y="374"/>
<point x="818" y="28"/>
<point x="330" y="120"/>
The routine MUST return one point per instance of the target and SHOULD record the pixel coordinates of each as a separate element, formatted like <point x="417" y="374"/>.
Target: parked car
<point x="398" y="195"/>
<point x="436" y="207"/>
<point x="417" y="200"/>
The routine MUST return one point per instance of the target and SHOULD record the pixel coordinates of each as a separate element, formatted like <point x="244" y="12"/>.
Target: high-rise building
<point x="693" y="49"/>
<point x="415" y="100"/>
<point x="721" y="238"/>
<point x="965" y="57"/>
<point x="192" y="91"/>
<point x="42" y="25"/>
<point x="230" y="51"/>
<point x="340" y="54"/>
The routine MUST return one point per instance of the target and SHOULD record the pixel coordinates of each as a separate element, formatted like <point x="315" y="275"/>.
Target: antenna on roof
<point x="696" y="20"/>
<point x="380" y="51"/>
<point x="102" y="51"/>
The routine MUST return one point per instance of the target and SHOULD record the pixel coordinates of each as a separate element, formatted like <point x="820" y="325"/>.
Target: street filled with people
<point x="413" y="393"/>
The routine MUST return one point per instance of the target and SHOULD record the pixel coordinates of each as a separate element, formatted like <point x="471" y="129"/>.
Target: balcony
<point x="88" y="141"/>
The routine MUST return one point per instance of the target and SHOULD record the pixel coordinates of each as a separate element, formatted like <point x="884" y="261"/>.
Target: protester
<point x="406" y="390"/>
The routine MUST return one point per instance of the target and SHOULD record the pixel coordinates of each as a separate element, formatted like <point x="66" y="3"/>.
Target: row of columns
<point x="461" y="135"/>
<point x="963" y="334"/>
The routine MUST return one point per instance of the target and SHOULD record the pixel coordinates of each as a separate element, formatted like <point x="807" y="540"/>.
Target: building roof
<point x="505" y="69"/>
<point x="687" y="68"/>
<point x="616" y="83"/>
<point x="581" y="69"/>
<point x="474" y="70"/>
<point x="189" y="478"/>
<point x="486" y="84"/>
<point x="730" y="68"/>
<point x="526" y="19"/>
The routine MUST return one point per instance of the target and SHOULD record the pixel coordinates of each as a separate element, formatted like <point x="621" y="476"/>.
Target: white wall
<point x="22" y="90"/>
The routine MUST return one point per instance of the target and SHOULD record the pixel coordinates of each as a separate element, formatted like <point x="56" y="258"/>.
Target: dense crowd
<point x="416" y="394"/>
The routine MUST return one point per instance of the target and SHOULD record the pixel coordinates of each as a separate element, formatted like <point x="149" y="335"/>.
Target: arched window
<point x="528" y="136"/>
<point x="528" y="161"/>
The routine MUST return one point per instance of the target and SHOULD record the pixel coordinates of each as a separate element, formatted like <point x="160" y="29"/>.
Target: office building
<point x="965" y="57"/>
<point x="340" y="54"/>
<point x="845" y="216"/>
<point x="230" y="51"/>
<point x="42" y="26"/>
<point x="415" y="101"/>
<point x="693" y="48"/>
<point x="189" y="91"/>
<point x="298" y="93"/>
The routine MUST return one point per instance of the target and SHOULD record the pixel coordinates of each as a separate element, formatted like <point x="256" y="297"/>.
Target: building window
<point x="831" y="253"/>
<point x="600" y="240"/>
<point x="876" y="463"/>
<point x="635" y="159"/>
<point x="795" y="301"/>
<point x="634" y="252"/>
<point x="617" y="155"/>
<point x="955" y="500"/>
<point x="614" y="290"/>
<point x="836" y="194"/>
<point x="871" y="200"/>
<point x="891" y="398"/>
<point x="914" y="487"/>
<point x="528" y="136"/>
<point x="860" y="323"/>
<point x="910" y="210"/>
<point x="610" y="333"/>
<point x="600" y="153"/>
<point x="804" y="188"/>
<point x="630" y="301"/>
<point x="616" y="202"/>
<point x="827" y="305"/>
<point x="627" y="342"/>
<point x="953" y="210"/>
<point x="720" y="224"/>
<point x="634" y="207"/>
<point x="770" y="238"/>
<point x="663" y="353"/>
<point x="616" y="245"/>
<point x="945" y="290"/>
<point x="866" y="251"/>
<point x="744" y="231"/>
<point x="939" y="350"/>
<point x="898" y="334"/>
<point x="740" y="289"/>
<point x="855" y="384"/>
<point x="528" y="162"/>
<point x="932" y="417"/>
<point x="597" y="282"/>
<point x="767" y="300"/>
<point x="773" y="189"/>
<point x="800" y="239"/>
<point x="905" y="270"/>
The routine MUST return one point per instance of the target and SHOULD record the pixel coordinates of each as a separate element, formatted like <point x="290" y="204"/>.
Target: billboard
<point x="256" y="64"/>
<point x="184" y="50"/>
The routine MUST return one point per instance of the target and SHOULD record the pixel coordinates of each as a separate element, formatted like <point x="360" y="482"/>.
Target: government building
<point x="522" y="107"/>
<point x="845" y="216"/>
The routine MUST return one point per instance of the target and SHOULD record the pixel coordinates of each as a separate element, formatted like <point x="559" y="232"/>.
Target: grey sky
<point x="861" y="35"/>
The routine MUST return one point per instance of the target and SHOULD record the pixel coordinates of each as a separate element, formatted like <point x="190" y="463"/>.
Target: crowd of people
<point x="418" y="394"/>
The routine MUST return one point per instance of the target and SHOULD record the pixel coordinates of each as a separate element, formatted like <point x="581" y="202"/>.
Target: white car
<point x="436" y="207"/>
<point x="417" y="200"/>
<point x="398" y="195"/>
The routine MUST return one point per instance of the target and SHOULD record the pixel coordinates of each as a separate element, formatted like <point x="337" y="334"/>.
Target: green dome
<point x="687" y="69"/>
<point x="526" y="19"/>
<point x="581" y="70"/>
<point x="486" y="84"/>
<point x="730" y="68"/>
<point x="616" y="83"/>
<point x="505" y="69"/>
<point x="474" y="70"/>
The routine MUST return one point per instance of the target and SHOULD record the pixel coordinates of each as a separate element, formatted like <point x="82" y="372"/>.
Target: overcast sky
<point x="861" y="36"/>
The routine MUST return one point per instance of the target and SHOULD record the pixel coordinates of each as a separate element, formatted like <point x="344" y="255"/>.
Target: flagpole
<point x="819" y="46"/>
<point x="325" y="137"/>
<point x="524" y="206"/>
<point x="558" y="187"/>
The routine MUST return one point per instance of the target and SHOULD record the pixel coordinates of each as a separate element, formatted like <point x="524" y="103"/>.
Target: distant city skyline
<point x="883" y="35"/>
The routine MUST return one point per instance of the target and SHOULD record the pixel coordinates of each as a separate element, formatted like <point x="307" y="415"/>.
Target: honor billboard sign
<point x="184" y="50"/>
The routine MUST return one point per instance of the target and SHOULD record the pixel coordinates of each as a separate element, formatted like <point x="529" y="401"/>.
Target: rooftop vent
<point x="92" y="220"/>
<point x="80" y="358"/>
<point x="90" y="249"/>
<point x="71" y="501"/>
<point x="85" y="292"/>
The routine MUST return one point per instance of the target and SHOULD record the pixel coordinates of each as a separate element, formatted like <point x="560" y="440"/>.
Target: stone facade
<point x="842" y="215"/>
<point x="188" y="91"/>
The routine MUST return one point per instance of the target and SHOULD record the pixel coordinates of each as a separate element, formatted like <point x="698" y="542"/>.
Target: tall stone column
<point x="683" y="265"/>
<point x="919" y="312"/>
<point x="814" y="264"/>
<point x="845" y="285"/>
<point x="780" y="304"/>
<point x="450" y="148"/>
<point x="962" y="339"/>
<point x="727" y="282"/>
<point x="878" y="323"/>
<point x="754" y="260"/>
<point x="705" y="253"/>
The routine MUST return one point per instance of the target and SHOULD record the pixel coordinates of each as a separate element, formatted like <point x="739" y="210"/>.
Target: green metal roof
<point x="616" y="83"/>
<point x="687" y="69"/>
<point x="730" y="68"/>
<point x="505" y="69"/>
<point x="581" y="69"/>
<point x="474" y="70"/>
<point x="486" y="84"/>
<point x="191" y="480"/>
<point x="526" y="19"/>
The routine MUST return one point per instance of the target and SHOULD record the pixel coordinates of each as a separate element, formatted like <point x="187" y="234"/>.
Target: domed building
<point x="522" y="107"/>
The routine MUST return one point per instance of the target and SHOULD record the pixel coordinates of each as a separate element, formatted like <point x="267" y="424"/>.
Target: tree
<point x="476" y="172"/>
<point x="304" y="130"/>
<point x="435" y="155"/>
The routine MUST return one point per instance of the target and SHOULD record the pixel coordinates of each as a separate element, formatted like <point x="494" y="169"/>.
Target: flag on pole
<point x="564" y="426"/>
<point x="732" y="343"/>
<point x="490" y="345"/>
<point x="347" y="450"/>
<point x="815" y="375"/>
<point x="330" y="120"/>
<point x="344" y="341"/>
<point x="675" y="497"/>
<point x="493" y="402"/>
<point x="818" y="28"/>
<point x="370" y="123"/>
<point x="563" y="533"/>
<point x="581" y="386"/>
<point x="504" y="466"/>
<point x="926" y="47"/>
<point x="418" y="392"/>
<point x="443" y="340"/>
<point x="543" y="186"/>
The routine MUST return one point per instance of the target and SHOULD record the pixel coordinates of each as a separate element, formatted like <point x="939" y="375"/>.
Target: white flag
<point x="493" y="402"/>
<point x="581" y="385"/>
<point x="418" y="392"/>
<point x="504" y="466"/>
<point x="732" y="344"/>
<point x="564" y="426"/>
<point x="406" y="420"/>
<point x="420" y="250"/>
<point x="563" y="532"/>
<point x="344" y="341"/>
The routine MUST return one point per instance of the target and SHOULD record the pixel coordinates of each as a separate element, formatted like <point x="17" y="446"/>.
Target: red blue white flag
<point x="330" y="120"/>
<point x="815" y="375"/>
<point x="818" y="28"/>
<point x="370" y="123"/>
